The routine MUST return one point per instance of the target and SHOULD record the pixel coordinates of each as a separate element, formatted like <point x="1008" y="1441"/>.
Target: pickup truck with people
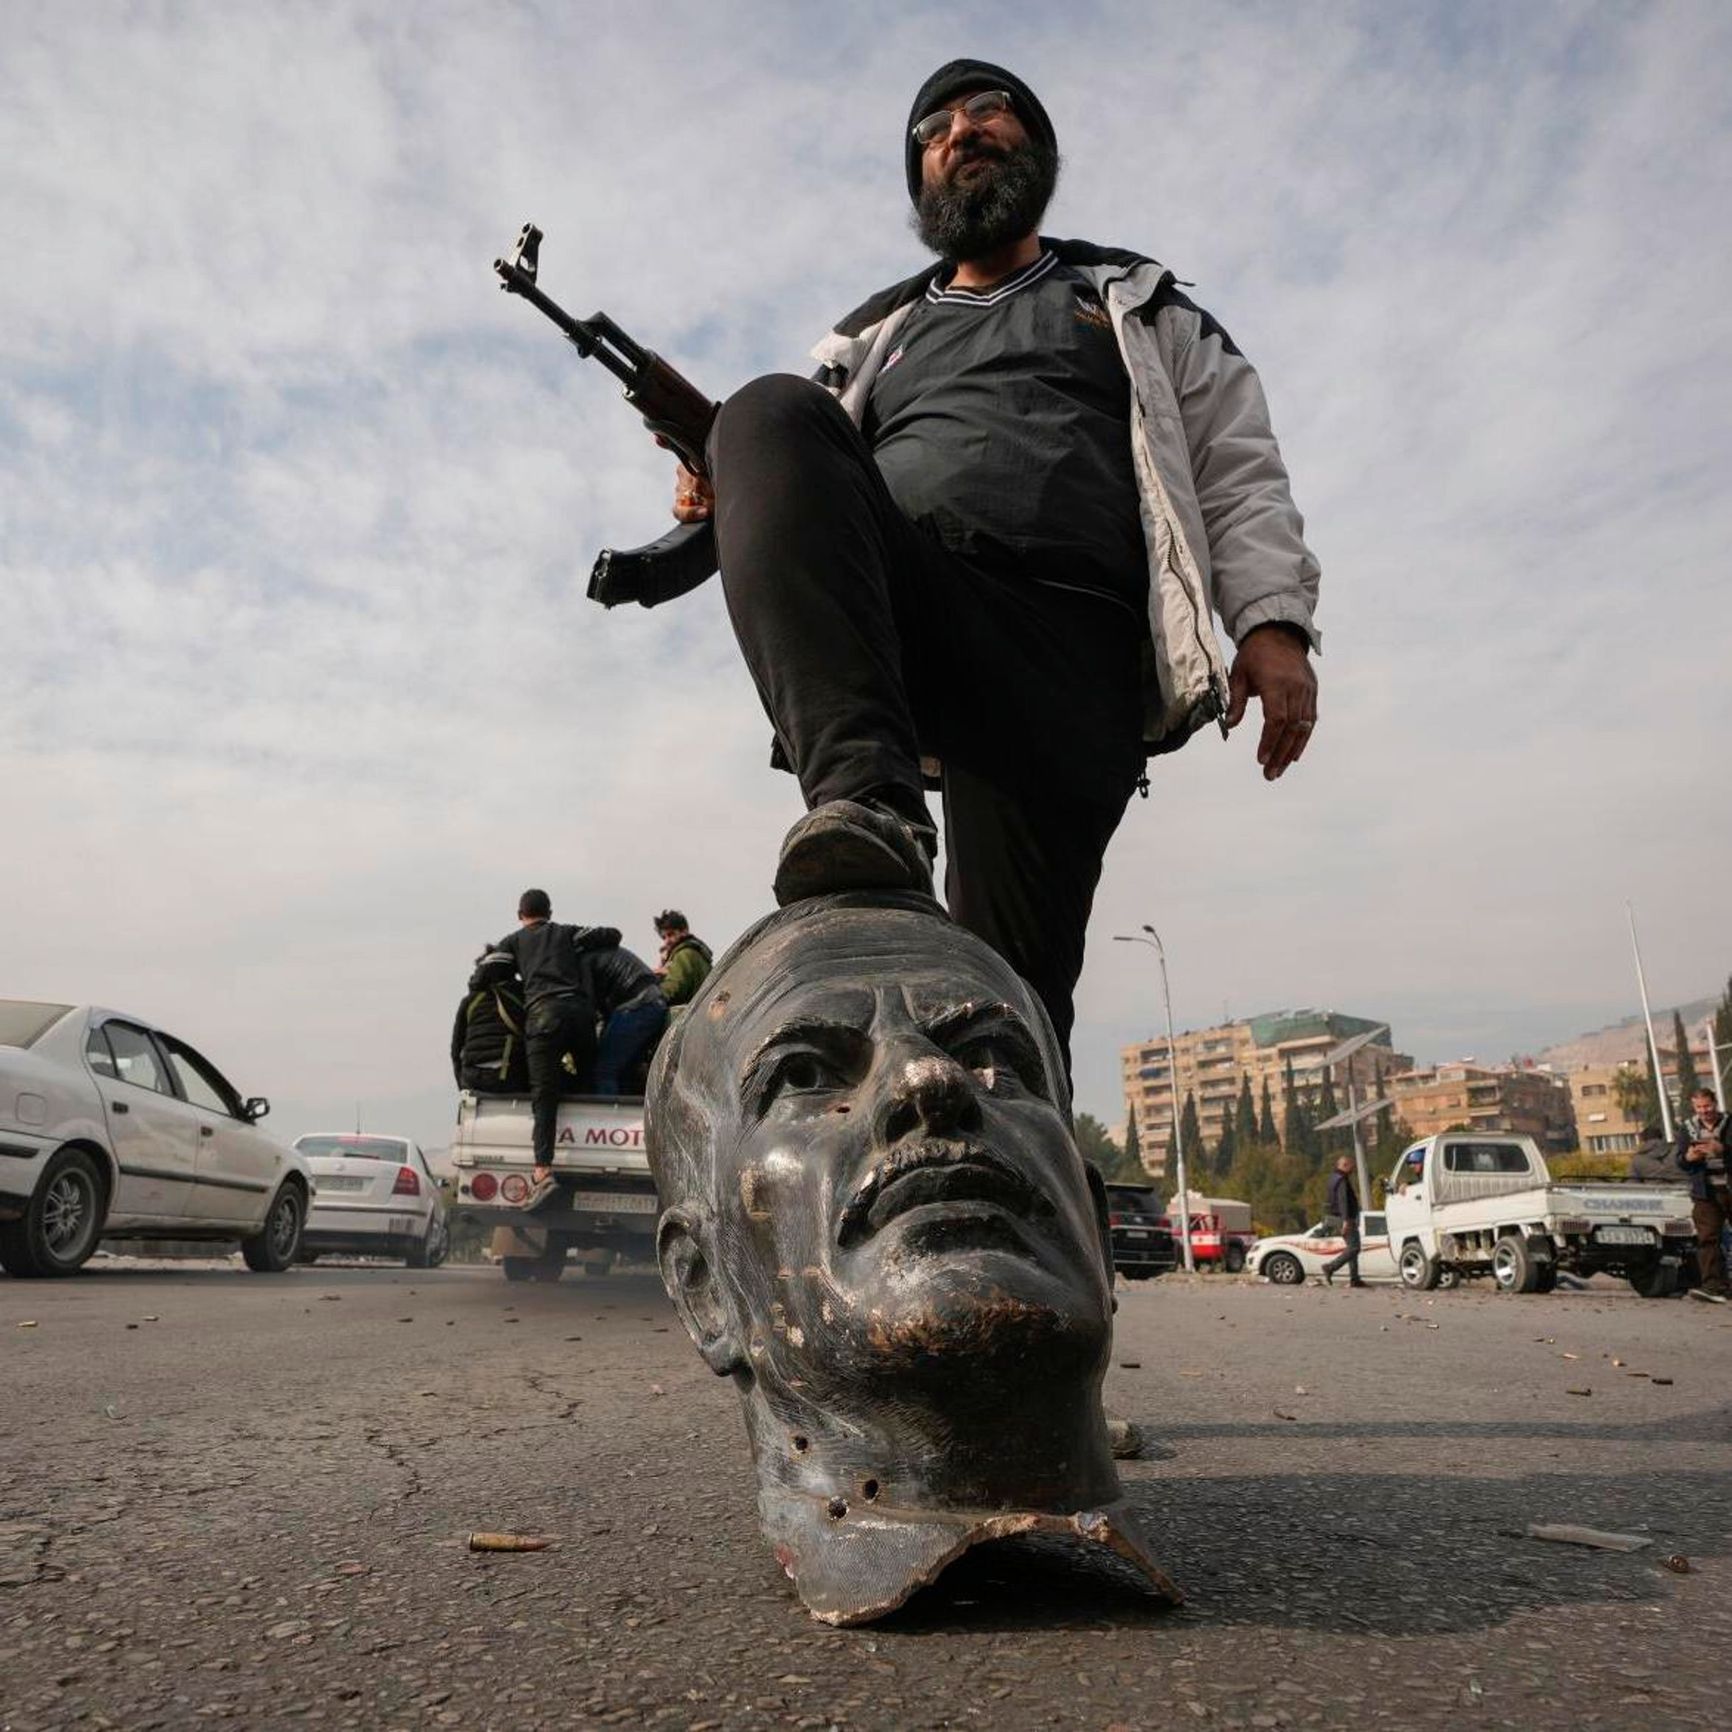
<point x="605" y="1203"/>
<point x="1486" y="1204"/>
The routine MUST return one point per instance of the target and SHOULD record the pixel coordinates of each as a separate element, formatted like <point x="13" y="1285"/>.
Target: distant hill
<point x="1626" y="1040"/>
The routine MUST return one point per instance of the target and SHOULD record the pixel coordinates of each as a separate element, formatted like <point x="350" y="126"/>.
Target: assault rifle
<point x="672" y="408"/>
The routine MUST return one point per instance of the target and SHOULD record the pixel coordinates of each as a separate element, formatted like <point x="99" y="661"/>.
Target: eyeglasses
<point x="983" y="106"/>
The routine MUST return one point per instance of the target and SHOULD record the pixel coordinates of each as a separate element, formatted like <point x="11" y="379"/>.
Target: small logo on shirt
<point x="894" y="356"/>
<point x="1090" y="312"/>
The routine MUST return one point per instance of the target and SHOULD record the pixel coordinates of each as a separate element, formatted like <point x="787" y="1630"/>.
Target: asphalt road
<point x="233" y="1497"/>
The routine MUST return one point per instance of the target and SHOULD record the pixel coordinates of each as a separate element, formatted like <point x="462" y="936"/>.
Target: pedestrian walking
<point x="1343" y="1205"/>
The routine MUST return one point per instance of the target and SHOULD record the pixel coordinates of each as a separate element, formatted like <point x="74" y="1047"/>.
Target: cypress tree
<point x="1266" y="1133"/>
<point x="1245" y="1117"/>
<point x="1196" y="1156"/>
<point x="1227" y="1147"/>
<point x="1133" y="1145"/>
<point x="1687" y="1079"/>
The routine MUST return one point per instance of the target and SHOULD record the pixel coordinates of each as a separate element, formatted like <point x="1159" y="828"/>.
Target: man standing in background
<point x="559" y="1013"/>
<point x="685" y="958"/>
<point x="1343" y="1204"/>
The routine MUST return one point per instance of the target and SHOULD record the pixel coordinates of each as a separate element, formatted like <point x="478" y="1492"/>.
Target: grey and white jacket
<point x="1222" y="531"/>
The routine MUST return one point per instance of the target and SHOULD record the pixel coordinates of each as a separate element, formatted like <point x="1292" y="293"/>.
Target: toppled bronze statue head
<point x="875" y="1219"/>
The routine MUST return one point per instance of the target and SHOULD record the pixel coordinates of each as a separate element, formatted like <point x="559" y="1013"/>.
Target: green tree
<point x="1723" y="1041"/>
<point x="1133" y="1143"/>
<point x="1191" y="1129"/>
<point x="1327" y="1142"/>
<point x="1687" y="1078"/>
<point x="1634" y="1090"/>
<point x="1227" y="1147"/>
<point x="1267" y="1135"/>
<point x="1245" y="1115"/>
<point x="1294" y="1130"/>
<point x="1095" y="1145"/>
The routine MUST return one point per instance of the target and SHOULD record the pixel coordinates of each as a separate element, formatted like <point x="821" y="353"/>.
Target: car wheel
<point x="1419" y="1273"/>
<point x="442" y="1249"/>
<point x="1283" y="1268"/>
<point x="430" y="1253"/>
<point x="1657" y="1281"/>
<point x="517" y="1268"/>
<point x="1235" y="1259"/>
<point x="550" y="1265"/>
<point x="1546" y="1278"/>
<point x="1513" y="1266"/>
<point x="1136" y="1274"/>
<point x="61" y="1222"/>
<point x="276" y="1244"/>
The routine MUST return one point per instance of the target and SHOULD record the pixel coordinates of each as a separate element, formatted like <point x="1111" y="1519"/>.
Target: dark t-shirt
<point x="1001" y="423"/>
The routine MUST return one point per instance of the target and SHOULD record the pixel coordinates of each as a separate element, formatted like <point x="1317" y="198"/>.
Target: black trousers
<point x="870" y="644"/>
<point x="554" y="1027"/>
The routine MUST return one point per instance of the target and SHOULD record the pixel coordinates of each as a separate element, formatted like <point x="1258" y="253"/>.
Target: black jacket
<point x="620" y="980"/>
<point x="551" y="957"/>
<point x="487" y="1041"/>
<point x="1343" y="1199"/>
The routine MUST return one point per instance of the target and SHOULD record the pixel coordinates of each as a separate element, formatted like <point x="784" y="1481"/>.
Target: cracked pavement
<point x="243" y="1498"/>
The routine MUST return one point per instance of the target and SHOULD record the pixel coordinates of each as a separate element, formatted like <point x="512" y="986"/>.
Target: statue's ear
<point x="682" y="1250"/>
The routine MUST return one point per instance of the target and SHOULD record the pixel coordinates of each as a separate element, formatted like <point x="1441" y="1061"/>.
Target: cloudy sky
<point x="300" y="687"/>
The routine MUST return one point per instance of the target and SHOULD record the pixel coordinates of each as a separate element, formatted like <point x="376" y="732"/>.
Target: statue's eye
<point x="1003" y="1063"/>
<point x="805" y="1073"/>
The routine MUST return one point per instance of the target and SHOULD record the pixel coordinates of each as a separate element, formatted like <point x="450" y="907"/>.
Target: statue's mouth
<point x="936" y="1171"/>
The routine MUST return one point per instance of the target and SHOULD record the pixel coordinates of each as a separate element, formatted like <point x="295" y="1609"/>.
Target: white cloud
<point x="295" y="508"/>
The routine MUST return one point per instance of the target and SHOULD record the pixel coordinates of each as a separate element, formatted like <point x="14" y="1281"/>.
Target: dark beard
<point x="969" y="219"/>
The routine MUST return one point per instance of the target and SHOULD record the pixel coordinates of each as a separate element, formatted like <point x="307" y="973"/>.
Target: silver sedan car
<point x="373" y="1196"/>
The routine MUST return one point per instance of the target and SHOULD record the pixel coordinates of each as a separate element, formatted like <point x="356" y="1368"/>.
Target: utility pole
<point x="1154" y="942"/>
<point x="1648" y="1018"/>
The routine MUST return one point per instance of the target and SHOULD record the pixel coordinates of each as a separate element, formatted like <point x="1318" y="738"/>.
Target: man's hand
<point x="1274" y="665"/>
<point x="694" y="499"/>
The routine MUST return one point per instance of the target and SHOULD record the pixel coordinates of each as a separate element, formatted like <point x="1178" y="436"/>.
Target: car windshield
<point x="1136" y="1198"/>
<point x="357" y="1148"/>
<point x="24" y="1022"/>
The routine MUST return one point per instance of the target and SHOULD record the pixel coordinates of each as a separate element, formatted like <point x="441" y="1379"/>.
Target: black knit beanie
<point x="959" y="75"/>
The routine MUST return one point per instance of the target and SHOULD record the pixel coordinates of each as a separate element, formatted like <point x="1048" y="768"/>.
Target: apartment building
<point x="1516" y="1098"/>
<point x="1211" y="1061"/>
<point x="1603" y="1126"/>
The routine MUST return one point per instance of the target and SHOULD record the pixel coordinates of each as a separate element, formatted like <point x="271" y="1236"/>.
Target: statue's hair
<point x="679" y="1124"/>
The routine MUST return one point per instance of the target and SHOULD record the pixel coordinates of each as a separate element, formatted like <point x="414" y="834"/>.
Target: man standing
<point x="992" y="535"/>
<point x="1701" y="1151"/>
<point x="1343" y="1205"/>
<point x="685" y="958"/>
<point x="629" y="1000"/>
<point x="559" y="1013"/>
<point x="487" y="1037"/>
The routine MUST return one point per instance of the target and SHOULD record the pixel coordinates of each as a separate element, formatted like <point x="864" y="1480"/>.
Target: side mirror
<point x="255" y="1109"/>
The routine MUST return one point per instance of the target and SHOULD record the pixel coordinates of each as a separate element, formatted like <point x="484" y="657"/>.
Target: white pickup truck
<point x="1485" y="1204"/>
<point x="607" y="1201"/>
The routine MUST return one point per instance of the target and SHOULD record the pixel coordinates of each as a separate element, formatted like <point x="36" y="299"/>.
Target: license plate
<point x="613" y="1202"/>
<point x="1135" y="1232"/>
<point x="338" y="1182"/>
<point x="1624" y="1236"/>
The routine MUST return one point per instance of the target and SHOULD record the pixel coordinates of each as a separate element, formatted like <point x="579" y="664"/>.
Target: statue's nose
<point x="933" y="1091"/>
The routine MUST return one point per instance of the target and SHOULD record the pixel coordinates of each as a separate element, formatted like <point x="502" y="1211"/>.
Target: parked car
<point x="372" y="1197"/>
<point x="110" y="1128"/>
<point x="1289" y="1259"/>
<point x="1143" y="1244"/>
<point x="1221" y="1231"/>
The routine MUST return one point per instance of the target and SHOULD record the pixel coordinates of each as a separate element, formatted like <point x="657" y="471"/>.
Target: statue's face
<point x="895" y="1186"/>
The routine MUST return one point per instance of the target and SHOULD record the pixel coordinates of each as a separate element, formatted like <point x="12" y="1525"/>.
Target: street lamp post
<point x="1153" y="940"/>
